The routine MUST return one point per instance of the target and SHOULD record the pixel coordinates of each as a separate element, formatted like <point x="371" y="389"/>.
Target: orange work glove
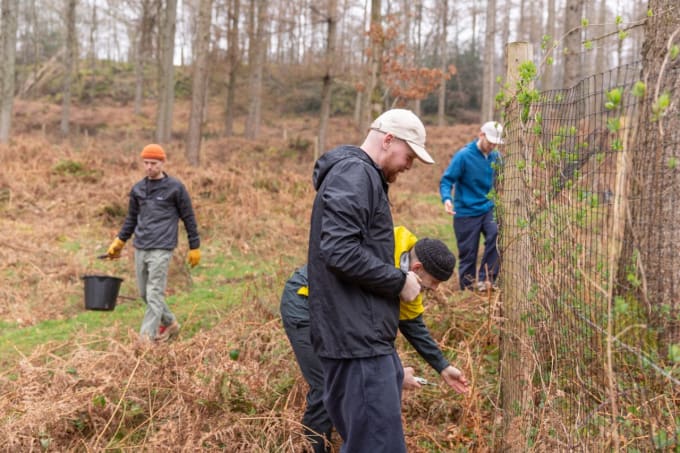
<point x="115" y="248"/>
<point x="194" y="257"/>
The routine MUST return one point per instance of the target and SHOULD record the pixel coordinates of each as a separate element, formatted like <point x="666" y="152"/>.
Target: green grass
<point x="219" y="285"/>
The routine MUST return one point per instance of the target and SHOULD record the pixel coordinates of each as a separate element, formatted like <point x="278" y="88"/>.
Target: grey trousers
<point x="151" y="267"/>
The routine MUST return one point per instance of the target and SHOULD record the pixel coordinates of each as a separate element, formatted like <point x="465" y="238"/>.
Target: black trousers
<point x="316" y="420"/>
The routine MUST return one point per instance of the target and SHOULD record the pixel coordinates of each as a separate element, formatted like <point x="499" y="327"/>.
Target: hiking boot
<point x="486" y="286"/>
<point x="167" y="333"/>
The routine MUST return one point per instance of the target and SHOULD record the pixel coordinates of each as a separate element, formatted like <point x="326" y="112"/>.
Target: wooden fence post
<point x="516" y="364"/>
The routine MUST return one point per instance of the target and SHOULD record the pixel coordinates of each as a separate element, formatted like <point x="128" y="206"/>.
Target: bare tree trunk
<point x="199" y="85"/>
<point x="68" y="65"/>
<point x="548" y="79"/>
<point x="166" y="73"/>
<point x="373" y="92"/>
<point x="572" y="42"/>
<point x="233" y="60"/>
<point x="418" y="46"/>
<point x="8" y="39"/>
<point x="332" y="20"/>
<point x="443" y="54"/>
<point x="488" y="79"/>
<point x="652" y="236"/>
<point x="143" y="50"/>
<point x="257" y="57"/>
<point x="360" y="105"/>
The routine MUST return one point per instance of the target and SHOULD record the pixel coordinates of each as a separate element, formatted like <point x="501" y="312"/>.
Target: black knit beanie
<point x="436" y="257"/>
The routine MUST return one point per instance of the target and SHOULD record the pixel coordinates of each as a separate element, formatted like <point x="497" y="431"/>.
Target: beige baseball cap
<point x="405" y="125"/>
<point x="493" y="132"/>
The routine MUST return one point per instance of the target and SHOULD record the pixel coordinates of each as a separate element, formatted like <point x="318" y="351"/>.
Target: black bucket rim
<point x="83" y="277"/>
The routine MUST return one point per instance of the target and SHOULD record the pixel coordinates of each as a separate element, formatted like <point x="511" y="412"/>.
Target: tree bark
<point x="166" y="73"/>
<point x="234" y="61"/>
<point x="8" y="39"/>
<point x="69" y="61"/>
<point x="443" y="54"/>
<point x="373" y="94"/>
<point x="256" y="65"/>
<point x="199" y="84"/>
<point x="327" y="83"/>
<point x="572" y="42"/>
<point x="143" y="50"/>
<point x="548" y="78"/>
<point x="653" y="237"/>
<point x="488" y="79"/>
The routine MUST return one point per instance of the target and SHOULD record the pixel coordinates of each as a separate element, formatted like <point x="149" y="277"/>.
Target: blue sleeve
<point x="450" y="177"/>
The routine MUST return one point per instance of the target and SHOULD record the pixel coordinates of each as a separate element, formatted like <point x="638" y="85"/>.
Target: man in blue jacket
<point x="471" y="176"/>
<point x="354" y="287"/>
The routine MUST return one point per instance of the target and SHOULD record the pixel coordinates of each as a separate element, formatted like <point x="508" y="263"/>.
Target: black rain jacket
<point x="353" y="284"/>
<point x="154" y="211"/>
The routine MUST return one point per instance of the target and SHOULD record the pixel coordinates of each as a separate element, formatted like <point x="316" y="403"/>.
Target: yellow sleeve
<point x="404" y="241"/>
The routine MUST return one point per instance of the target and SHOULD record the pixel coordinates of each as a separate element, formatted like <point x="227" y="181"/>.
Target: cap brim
<point x="423" y="155"/>
<point x="497" y="142"/>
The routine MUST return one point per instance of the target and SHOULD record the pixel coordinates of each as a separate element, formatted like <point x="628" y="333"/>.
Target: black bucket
<point x="101" y="291"/>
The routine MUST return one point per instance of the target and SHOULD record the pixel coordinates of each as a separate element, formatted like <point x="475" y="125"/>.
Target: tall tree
<point x="199" y="81"/>
<point x="572" y="42"/>
<point x="233" y="57"/>
<point x="489" y="60"/>
<point x="373" y="91"/>
<point x="147" y="22"/>
<point x="443" y="54"/>
<point x="166" y="73"/>
<point x="653" y="244"/>
<point x="327" y="82"/>
<point x="256" y="57"/>
<point x="69" y="64"/>
<point x="8" y="39"/>
<point x="548" y="78"/>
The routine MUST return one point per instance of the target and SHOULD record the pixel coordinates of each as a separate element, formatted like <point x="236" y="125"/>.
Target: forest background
<point x="244" y="95"/>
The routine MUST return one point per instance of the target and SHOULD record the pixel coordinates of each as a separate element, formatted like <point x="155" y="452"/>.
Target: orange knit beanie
<point x="153" y="151"/>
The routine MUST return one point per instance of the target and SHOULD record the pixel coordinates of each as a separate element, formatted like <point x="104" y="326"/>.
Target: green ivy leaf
<point x="639" y="89"/>
<point x="675" y="50"/>
<point x="674" y="353"/>
<point x="584" y="22"/>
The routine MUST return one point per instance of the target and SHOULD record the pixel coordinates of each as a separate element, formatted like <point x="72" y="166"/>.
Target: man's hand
<point x="454" y="377"/>
<point x="411" y="287"/>
<point x="115" y="248"/>
<point x="410" y="382"/>
<point x="194" y="257"/>
<point x="448" y="206"/>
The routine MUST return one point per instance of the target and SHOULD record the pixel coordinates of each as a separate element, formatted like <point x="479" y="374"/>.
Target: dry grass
<point x="64" y="203"/>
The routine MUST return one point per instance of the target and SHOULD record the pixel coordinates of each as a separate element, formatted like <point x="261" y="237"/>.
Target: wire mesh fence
<point x="589" y="345"/>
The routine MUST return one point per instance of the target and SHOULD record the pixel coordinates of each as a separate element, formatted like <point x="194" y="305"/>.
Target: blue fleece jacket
<point x="470" y="176"/>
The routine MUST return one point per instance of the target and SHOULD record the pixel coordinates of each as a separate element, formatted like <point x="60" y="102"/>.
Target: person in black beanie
<point x="433" y="263"/>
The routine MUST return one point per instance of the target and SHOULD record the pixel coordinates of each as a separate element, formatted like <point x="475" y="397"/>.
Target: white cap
<point x="405" y="125"/>
<point x="493" y="132"/>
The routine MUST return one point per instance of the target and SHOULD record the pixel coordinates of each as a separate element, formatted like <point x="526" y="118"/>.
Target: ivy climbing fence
<point x="590" y="356"/>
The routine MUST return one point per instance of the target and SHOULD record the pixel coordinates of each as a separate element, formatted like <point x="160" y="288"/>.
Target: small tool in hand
<point x="423" y="381"/>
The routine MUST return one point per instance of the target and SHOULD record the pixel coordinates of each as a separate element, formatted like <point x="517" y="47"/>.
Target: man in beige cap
<point x="354" y="287"/>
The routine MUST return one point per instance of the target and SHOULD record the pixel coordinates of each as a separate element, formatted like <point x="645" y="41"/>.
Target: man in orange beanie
<point x="156" y="205"/>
